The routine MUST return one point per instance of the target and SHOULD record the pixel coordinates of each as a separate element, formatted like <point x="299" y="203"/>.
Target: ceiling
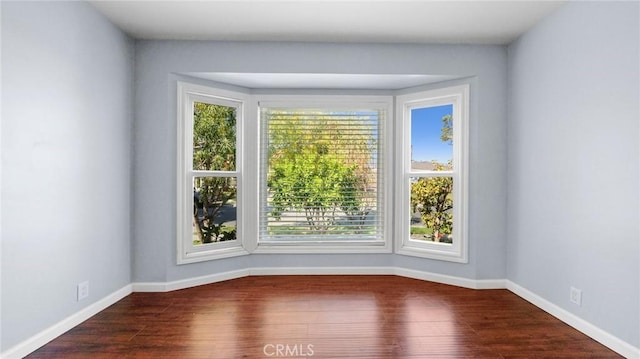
<point x="320" y="81"/>
<point x="379" y="21"/>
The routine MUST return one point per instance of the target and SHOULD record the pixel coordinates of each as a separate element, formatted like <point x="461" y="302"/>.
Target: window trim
<point x="188" y="93"/>
<point x="458" y="96"/>
<point x="320" y="101"/>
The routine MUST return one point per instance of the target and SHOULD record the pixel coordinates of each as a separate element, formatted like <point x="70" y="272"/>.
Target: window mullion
<point x="214" y="173"/>
<point x="431" y="174"/>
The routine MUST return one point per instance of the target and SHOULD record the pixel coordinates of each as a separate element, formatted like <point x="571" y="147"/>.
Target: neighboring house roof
<point x="423" y="165"/>
<point x="427" y="166"/>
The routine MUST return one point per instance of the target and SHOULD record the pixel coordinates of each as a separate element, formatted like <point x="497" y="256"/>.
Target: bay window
<point x="263" y="173"/>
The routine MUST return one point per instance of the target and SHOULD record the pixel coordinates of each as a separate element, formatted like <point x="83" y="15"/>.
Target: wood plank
<point x="326" y="316"/>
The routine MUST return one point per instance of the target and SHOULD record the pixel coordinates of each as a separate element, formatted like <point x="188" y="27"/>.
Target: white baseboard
<point x="30" y="345"/>
<point x="322" y="271"/>
<point x="189" y="282"/>
<point x="451" y="280"/>
<point x="409" y="273"/>
<point x="612" y="342"/>
<point x="219" y="277"/>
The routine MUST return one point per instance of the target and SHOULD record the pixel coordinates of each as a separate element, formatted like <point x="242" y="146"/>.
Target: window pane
<point x="432" y="209"/>
<point x="321" y="173"/>
<point x="432" y="138"/>
<point x="214" y="137"/>
<point x="214" y="209"/>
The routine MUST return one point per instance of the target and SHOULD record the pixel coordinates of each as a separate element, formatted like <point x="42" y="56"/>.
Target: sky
<point x="426" y="127"/>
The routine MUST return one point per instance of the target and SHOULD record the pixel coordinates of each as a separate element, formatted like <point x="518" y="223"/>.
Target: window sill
<point x="212" y="254"/>
<point x="303" y="248"/>
<point x="434" y="253"/>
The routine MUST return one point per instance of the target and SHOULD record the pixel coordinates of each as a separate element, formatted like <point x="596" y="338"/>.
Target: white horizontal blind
<point x="321" y="175"/>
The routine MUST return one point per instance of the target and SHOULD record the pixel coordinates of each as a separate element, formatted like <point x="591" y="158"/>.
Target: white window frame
<point x="335" y="101"/>
<point x="458" y="96"/>
<point x="188" y="94"/>
<point x="394" y="151"/>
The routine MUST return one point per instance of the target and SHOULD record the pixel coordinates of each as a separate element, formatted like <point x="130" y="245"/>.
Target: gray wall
<point x="155" y="143"/>
<point x="66" y="167"/>
<point x="573" y="163"/>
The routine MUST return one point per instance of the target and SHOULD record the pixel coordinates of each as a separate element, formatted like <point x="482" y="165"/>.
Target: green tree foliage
<point x="214" y="148"/>
<point x="321" y="165"/>
<point x="311" y="180"/>
<point x="433" y="198"/>
<point x="447" y="130"/>
<point x="214" y="137"/>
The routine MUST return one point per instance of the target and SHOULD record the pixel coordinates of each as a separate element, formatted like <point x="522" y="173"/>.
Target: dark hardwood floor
<point x="324" y="317"/>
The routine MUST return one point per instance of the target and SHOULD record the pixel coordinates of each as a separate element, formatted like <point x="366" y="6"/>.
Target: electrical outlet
<point x="83" y="290"/>
<point x="575" y="296"/>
